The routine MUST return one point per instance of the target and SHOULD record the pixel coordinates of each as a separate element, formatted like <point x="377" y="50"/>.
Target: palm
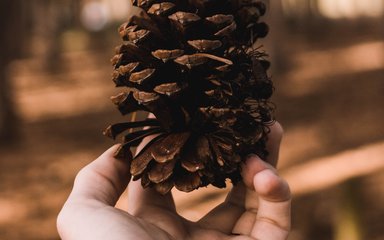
<point x="255" y="209"/>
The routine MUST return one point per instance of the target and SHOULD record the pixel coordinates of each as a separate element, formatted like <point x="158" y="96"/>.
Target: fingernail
<point x="252" y="156"/>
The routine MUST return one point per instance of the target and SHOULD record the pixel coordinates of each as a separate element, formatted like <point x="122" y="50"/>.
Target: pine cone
<point x="192" y="64"/>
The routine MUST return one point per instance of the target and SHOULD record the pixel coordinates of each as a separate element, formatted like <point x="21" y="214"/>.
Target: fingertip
<point x="112" y="151"/>
<point x="271" y="187"/>
<point x="277" y="129"/>
<point x="114" y="147"/>
<point x="104" y="161"/>
<point x="253" y="164"/>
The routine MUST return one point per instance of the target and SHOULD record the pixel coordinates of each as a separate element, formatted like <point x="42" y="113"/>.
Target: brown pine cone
<point x="192" y="63"/>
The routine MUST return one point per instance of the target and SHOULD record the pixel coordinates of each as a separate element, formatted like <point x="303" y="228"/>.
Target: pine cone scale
<point x="164" y="187"/>
<point x="170" y="147"/>
<point x="161" y="172"/>
<point x="188" y="182"/>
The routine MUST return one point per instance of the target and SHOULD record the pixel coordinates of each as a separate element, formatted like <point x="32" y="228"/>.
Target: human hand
<point x="259" y="208"/>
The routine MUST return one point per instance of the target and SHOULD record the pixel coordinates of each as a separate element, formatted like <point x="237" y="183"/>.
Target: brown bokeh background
<point x="328" y="68"/>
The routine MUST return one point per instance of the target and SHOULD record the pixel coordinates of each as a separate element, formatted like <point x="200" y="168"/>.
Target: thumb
<point x="103" y="180"/>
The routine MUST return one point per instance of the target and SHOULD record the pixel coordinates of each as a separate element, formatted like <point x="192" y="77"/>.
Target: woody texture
<point x="197" y="67"/>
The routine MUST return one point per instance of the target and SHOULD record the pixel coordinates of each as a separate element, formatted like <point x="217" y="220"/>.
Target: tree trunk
<point x="7" y="114"/>
<point x="11" y="27"/>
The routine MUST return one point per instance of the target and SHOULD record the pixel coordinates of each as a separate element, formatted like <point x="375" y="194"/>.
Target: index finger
<point x="273" y="144"/>
<point x="275" y="136"/>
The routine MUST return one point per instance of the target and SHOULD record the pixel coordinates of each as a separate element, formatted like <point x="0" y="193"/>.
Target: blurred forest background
<point x="328" y="69"/>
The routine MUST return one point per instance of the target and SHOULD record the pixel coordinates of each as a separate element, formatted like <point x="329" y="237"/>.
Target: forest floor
<point x="329" y="102"/>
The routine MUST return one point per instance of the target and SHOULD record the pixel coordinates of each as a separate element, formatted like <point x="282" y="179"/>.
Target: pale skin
<point x="258" y="208"/>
